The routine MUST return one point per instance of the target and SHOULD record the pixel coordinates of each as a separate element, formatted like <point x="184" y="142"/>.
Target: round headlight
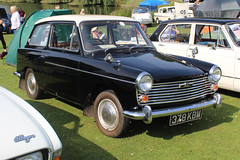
<point x="215" y="74"/>
<point x="144" y="82"/>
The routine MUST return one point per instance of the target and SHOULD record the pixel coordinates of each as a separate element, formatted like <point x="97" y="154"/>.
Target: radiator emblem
<point x="185" y="85"/>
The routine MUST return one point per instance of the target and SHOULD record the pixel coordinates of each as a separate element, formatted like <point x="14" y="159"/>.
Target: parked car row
<point x="108" y="62"/>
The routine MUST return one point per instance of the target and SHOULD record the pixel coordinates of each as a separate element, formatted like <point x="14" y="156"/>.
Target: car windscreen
<point x="140" y="10"/>
<point x="3" y="13"/>
<point x="234" y="32"/>
<point x="112" y="34"/>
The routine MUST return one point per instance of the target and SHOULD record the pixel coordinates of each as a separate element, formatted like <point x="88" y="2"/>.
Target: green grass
<point x="215" y="137"/>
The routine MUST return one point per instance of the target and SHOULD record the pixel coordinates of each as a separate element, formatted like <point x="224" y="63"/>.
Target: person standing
<point x="82" y="12"/>
<point x="15" y="19"/>
<point x="22" y="15"/>
<point x="2" y="39"/>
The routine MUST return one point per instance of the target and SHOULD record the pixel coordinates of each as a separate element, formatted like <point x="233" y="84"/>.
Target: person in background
<point x="15" y="19"/>
<point x="2" y="39"/>
<point x="82" y="12"/>
<point x="22" y="15"/>
<point x="57" y="7"/>
<point x="144" y="27"/>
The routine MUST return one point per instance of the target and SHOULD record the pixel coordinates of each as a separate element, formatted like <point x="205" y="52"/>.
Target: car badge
<point x="23" y="138"/>
<point x="185" y="85"/>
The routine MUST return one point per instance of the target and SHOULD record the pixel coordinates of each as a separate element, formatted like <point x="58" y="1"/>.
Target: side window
<point x="64" y="36"/>
<point x="176" y="33"/>
<point x="213" y="34"/>
<point x="40" y="35"/>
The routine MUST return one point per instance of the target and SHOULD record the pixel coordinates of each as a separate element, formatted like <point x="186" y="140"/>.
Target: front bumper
<point x="145" y="21"/>
<point x="147" y="113"/>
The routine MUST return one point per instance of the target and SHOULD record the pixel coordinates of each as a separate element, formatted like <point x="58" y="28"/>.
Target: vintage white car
<point x="164" y="13"/>
<point x="168" y="13"/>
<point x="142" y="15"/>
<point x="25" y="133"/>
<point x="211" y="40"/>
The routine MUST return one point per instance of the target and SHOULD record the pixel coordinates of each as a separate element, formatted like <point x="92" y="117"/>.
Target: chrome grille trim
<point x="170" y="92"/>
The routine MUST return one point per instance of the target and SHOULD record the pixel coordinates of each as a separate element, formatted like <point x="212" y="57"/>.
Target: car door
<point x="61" y="61"/>
<point x="213" y="47"/>
<point x="174" y="39"/>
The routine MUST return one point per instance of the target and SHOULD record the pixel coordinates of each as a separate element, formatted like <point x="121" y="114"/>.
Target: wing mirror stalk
<point x="212" y="45"/>
<point x="194" y="52"/>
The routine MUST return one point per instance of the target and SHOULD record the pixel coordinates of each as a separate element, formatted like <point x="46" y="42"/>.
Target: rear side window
<point x="64" y="36"/>
<point x="176" y="33"/>
<point x="40" y="35"/>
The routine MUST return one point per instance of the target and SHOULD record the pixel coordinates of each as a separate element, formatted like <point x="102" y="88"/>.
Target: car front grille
<point x="178" y="91"/>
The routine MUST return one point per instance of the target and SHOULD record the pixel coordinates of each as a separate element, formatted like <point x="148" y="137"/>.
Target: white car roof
<point x="80" y="18"/>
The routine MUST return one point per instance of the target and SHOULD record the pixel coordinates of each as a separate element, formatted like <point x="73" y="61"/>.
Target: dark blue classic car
<point x="6" y="20"/>
<point x="109" y="63"/>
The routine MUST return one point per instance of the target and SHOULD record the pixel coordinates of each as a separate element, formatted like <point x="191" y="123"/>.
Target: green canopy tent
<point x="20" y="39"/>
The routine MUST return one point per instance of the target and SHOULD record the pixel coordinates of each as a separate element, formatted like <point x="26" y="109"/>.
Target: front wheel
<point x="108" y="114"/>
<point x="31" y="85"/>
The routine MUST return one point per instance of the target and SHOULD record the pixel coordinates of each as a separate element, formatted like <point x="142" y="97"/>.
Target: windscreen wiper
<point x="141" y="48"/>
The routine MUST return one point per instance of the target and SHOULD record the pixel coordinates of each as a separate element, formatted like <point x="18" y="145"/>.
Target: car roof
<point x="81" y="18"/>
<point x="3" y="13"/>
<point x="201" y="20"/>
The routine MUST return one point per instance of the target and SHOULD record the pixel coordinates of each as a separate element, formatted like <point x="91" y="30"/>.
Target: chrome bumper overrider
<point x="147" y="113"/>
<point x="17" y="74"/>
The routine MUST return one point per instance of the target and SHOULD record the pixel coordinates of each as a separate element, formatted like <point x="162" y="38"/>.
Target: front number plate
<point x="185" y="117"/>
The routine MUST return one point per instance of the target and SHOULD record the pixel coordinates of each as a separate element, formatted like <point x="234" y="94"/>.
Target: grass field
<point x="215" y="137"/>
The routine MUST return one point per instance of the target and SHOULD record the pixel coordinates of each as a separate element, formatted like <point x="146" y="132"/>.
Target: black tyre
<point x="31" y="85"/>
<point x="108" y="114"/>
<point x="158" y="21"/>
<point x="9" y="31"/>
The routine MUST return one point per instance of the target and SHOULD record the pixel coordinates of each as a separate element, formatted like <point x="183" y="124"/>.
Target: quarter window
<point x="176" y="33"/>
<point x="64" y="36"/>
<point x="40" y="35"/>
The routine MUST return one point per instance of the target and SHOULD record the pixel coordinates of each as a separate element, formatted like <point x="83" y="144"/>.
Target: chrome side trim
<point x="79" y="70"/>
<point x="17" y="74"/>
<point x="140" y="115"/>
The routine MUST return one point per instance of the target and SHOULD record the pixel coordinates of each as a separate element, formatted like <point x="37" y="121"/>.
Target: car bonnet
<point x="161" y="67"/>
<point x="23" y="129"/>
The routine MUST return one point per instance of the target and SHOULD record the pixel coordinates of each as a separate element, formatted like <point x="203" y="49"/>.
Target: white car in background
<point x="168" y="13"/>
<point x="164" y="13"/>
<point x="25" y="133"/>
<point x="142" y="15"/>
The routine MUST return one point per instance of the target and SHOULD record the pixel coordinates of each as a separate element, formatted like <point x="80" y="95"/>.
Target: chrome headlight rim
<point x="212" y="77"/>
<point x="141" y="88"/>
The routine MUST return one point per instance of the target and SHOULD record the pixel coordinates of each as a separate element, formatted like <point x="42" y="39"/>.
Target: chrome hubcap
<point x="31" y="83"/>
<point x="108" y="114"/>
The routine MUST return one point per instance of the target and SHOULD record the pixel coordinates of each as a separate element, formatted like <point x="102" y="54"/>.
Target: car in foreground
<point x="109" y="63"/>
<point x="142" y="15"/>
<point x="212" y="40"/>
<point x="25" y="132"/>
<point x="6" y="20"/>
